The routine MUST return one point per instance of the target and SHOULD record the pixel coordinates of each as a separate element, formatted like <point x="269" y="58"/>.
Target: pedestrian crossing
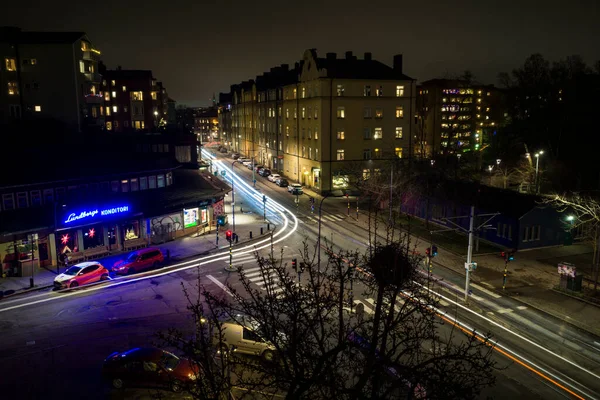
<point x="328" y="217"/>
<point x="369" y="304"/>
<point x="268" y="279"/>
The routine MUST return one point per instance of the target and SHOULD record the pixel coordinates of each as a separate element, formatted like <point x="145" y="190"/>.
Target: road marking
<point x="368" y="310"/>
<point x="109" y="278"/>
<point x="312" y="219"/>
<point x="444" y="302"/>
<point x="253" y="275"/>
<point x="521" y="308"/>
<point x="484" y="290"/>
<point x="504" y="310"/>
<point x="597" y="344"/>
<point x="490" y="313"/>
<point x="488" y="284"/>
<point x="219" y="284"/>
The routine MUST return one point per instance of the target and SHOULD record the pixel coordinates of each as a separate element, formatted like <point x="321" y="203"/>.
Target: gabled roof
<point x="128" y="74"/>
<point x="16" y="35"/>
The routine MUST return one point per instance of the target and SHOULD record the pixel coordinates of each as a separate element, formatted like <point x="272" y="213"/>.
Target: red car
<point x="139" y="260"/>
<point x="80" y="274"/>
<point x="144" y="367"/>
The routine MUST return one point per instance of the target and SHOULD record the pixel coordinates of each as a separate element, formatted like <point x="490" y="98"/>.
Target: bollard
<point x="168" y="254"/>
<point x="250" y="234"/>
<point x="236" y="237"/>
<point x="261" y="230"/>
<point x="268" y="226"/>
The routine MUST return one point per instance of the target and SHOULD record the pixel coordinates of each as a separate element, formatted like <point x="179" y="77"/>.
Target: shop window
<point x="134" y="185"/>
<point x="143" y="183"/>
<point x="170" y="178"/>
<point x="93" y="236"/>
<point x="48" y="196"/>
<point x="124" y="186"/>
<point x="8" y="201"/>
<point x="131" y="230"/>
<point x="114" y="186"/>
<point x="22" y="200"/>
<point x="152" y="182"/>
<point x="160" y="180"/>
<point x="36" y="198"/>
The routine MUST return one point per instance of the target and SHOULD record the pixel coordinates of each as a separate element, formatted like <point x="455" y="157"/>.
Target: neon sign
<point x="89" y="215"/>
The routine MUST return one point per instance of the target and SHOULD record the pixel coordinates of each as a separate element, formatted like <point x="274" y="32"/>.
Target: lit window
<point x="303" y="112"/>
<point x="81" y="66"/>
<point x="107" y="111"/>
<point x="316" y="134"/>
<point x="379" y="91"/>
<point x="295" y="113"/>
<point x="160" y="181"/>
<point x="398" y="152"/>
<point x="143" y="183"/>
<point x="106" y="96"/>
<point x="94" y="112"/>
<point x="287" y="131"/>
<point x="138" y="96"/>
<point x="317" y="154"/>
<point x="11" y="64"/>
<point x="124" y="88"/>
<point x="366" y="174"/>
<point x="341" y="135"/>
<point x="101" y="110"/>
<point x="13" y="89"/>
<point x="399" y="91"/>
<point x="310" y="153"/>
<point x="124" y="185"/>
<point x="33" y="61"/>
<point x="340" y="155"/>
<point x="400" y="112"/>
<point x="113" y="83"/>
<point x="377" y="153"/>
<point x="341" y="112"/>
<point x="115" y="109"/>
<point x="398" y="132"/>
<point x="367" y="90"/>
<point x="340" y="90"/>
<point x="114" y="94"/>
<point x="152" y="182"/>
<point x="134" y="185"/>
<point x="295" y="93"/>
<point x="153" y="95"/>
<point x="316" y="113"/>
<point x="143" y="125"/>
<point x="378" y="133"/>
<point x="37" y="108"/>
<point x="303" y="92"/>
<point x="108" y="125"/>
<point x="378" y="113"/>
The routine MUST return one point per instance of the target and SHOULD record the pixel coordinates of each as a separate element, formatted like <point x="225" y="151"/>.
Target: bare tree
<point x="583" y="213"/>
<point x="327" y="349"/>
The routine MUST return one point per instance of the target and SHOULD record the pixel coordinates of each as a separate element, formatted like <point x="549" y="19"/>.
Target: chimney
<point x="398" y="63"/>
<point x="348" y="55"/>
<point x="368" y="56"/>
<point x="330" y="56"/>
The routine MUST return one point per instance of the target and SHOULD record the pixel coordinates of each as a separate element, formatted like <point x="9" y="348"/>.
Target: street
<point x="53" y="343"/>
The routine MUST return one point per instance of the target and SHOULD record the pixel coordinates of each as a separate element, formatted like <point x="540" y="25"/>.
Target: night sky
<point x="198" y="48"/>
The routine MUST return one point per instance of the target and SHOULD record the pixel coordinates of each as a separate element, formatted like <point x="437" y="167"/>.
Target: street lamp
<point x="537" y="164"/>
<point x="490" y="169"/>
<point x="498" y="161"/>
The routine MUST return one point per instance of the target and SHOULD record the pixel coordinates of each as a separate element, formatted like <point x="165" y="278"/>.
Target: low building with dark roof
<point x="522" y="220"/>
<point x="310" y="122"/>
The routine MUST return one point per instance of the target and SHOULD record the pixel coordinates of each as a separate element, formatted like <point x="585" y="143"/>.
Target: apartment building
<point x="133" y="101"/>
<point x="313" y="122"/>
<point x="224" y="119"/>
<point x="206" y="124"/>
<point x="456" y="116"/>
<point x="49" y="75"/>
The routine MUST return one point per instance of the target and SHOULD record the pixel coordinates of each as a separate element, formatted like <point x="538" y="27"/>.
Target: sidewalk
<point x="531" y="277"/>
<point x="250" y="220"/>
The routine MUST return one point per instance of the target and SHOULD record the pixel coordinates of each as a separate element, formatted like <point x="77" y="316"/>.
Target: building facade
<point x="455" y="116"/>
<point x="206" y="124"/>
<point x="133" y="101"/>
<point x="224" y="119"/>
<point x="50" y="75"/>
<point x="314" y="122"/>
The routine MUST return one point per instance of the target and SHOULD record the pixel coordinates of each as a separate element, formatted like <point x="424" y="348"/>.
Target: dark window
<point x="250" y="335"/>
<point x="160" y="180"/>
<point x="36" y="198"/>
<point x="48" y="196"/>
<point x="89" y="269"/>
<point x="114" y="186"/>
<point x="22" y="200"/>
<point x="8" y="201"/>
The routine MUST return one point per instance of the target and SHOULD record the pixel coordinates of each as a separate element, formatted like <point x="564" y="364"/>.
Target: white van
<point x="243" y="339"/>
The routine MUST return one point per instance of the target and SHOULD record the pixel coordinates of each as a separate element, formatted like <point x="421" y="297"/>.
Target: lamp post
<point x="233" y="197"/>
<point x="490" y="169"/>
<point x="537" y="164"/>
<point x="319" y="235"/>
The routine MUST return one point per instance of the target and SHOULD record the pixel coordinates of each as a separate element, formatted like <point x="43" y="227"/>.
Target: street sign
<point x="223" y="172"/>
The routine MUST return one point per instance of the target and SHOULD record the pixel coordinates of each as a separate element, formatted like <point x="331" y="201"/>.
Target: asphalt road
<point x="53" y="343"/>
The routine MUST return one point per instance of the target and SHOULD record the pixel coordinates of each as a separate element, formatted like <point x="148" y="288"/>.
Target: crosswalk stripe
<point x="251" y="269"/>
<point x="504" y="310"/>
<point x="244" y="258"/>
<point x="521" y="307"/>
<point x="341" y="216"/>
<point x="312" y="219"/>
<point x="484" y="290"/>
<point x="335" y="217"/>
<point x="253" y="274"/>
<point x="444" y="303"/>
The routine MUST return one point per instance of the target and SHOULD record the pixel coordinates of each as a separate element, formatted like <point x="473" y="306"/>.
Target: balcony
<point x="93" y="77"/>
<point x="94" y="99"/>
<point x="91" y="55"/>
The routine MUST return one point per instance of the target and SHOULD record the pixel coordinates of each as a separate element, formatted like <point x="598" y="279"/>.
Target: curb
<point x="18" y="292"/>
<point x="576" y="298"/>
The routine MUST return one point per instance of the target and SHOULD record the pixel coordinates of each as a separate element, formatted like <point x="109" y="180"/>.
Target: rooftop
<point x="13" y="34"/>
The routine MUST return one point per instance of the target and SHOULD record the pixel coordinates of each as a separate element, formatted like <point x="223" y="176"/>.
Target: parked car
<point x="247" y="163"/>
<point x="281" y="182"/>
<point x="258" y="167"/>
<point x="295" y="188"/>
<point x="223" y="150"/>
<point x="265" y="172"/>
<point x="243" y="339"/>
<point x="145" y="367"/>
<point x="273" y="177"/>
<point x="235" y="156"/>
<point x="81" y="274"/>
<point x="139" y="260"/>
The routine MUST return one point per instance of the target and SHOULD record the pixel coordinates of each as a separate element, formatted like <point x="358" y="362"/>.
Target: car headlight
<point x="192" y="377"/>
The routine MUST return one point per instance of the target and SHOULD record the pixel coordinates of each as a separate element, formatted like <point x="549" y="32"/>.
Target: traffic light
<point x="221" y="220"/>
<point x="503" y="254"/>
<point x="228" y="236"/>
<point x="434" y="251"/>
<point x="302" y="265"/>
<point x="507" y="256"/>
<point x="511" y="257"/>
<point x="294" y="264"/>
<point x="428" y="251"/>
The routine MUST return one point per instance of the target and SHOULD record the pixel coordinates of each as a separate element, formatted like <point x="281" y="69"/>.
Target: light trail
<point x="223" y="255"/>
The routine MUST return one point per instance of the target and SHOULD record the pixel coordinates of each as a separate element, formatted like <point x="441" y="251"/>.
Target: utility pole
<point x="468" y="265"/>
<point x="391" y="192"/>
